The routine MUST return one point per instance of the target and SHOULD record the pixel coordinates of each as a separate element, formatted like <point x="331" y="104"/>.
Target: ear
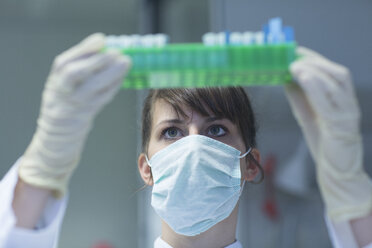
<point x="250" y="170"/>
<point x="145" y="170"/>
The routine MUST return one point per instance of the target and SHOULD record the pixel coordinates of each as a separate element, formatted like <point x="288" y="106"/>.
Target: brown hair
<point x="225" y="102"/>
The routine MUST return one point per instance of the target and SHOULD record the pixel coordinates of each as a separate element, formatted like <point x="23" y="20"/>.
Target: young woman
<point x="199" y="149"/>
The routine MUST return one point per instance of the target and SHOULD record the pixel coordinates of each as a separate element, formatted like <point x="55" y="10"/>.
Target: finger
<point x="108" y="94"/>
<point x="299" y="103"/>
<point x="344" y="92"/>
<point x="340" y="73"/>
<point x="105" y="79"/>
<point x="337" y="71"/>
<point x="304" y="114"/>
<point x="79" y="71"/>
<point x="333" y="85"/>
<point x="90" y="45"/>
<point x="301" y="67"/>
<point x="321" y="90"/>
<point x="104" y="96"/>
<point x="306" y="52"/>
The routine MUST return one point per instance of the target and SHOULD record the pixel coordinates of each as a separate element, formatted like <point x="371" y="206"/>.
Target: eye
<point x="217" y="131"/>
<point x="171" y="133"/>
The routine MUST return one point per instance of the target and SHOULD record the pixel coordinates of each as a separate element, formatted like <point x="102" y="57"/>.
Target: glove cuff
<point x="346" y="198"/>
<point x="49" y="161"/>
<point x="356" y="211"/>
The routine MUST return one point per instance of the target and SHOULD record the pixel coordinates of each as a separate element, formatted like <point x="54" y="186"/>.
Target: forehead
<point x="164" y="110"/>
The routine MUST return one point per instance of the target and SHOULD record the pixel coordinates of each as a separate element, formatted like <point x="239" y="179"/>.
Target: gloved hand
<point x="82" y="80"/>
<point x="326" y="108"/>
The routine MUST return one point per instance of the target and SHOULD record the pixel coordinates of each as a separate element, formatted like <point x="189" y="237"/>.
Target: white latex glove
<point x="82" y="80"/>
<point x="325" y="106"/>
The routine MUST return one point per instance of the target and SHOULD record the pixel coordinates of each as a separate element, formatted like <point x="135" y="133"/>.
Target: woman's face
<point x="168" y="127"/>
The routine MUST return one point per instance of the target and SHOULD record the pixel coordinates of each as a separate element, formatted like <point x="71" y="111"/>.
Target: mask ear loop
<point x="242" y="156"/>
<point x="147" y="160"/>
<point x="245" y="154"/>
<point x="241" y="188"/>
<point x="257" y="164"/>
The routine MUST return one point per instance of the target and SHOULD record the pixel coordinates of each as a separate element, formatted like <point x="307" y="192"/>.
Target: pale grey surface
<point x="32" y="34"/>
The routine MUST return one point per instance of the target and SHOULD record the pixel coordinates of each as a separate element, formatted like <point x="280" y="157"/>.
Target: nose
<point x="194" y="129"/>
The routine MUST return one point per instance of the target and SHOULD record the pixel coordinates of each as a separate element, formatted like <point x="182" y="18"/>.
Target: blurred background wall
<point x="103" y="205"/>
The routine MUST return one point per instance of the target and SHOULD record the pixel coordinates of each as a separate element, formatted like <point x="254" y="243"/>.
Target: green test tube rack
<point x="198" y="65"/>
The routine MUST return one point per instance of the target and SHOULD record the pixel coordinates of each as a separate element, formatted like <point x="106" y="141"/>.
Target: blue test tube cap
<point x="227" y="37"/>
<point x="265" y="30"/>
<point x="289" y="34"/>
<point x="275" y="30"/>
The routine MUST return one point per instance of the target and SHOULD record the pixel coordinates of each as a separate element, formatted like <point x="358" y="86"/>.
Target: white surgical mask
<point x="196" y="183"/>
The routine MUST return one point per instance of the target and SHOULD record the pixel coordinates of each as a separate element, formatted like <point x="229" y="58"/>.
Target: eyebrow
<point x="214" y="118"/>
<point x="175" y="121"/>
<point x="179" y="121"/>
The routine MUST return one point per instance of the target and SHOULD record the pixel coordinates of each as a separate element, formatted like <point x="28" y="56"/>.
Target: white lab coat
<point x="159" y="243"/>
<point x="48" y="228"/>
